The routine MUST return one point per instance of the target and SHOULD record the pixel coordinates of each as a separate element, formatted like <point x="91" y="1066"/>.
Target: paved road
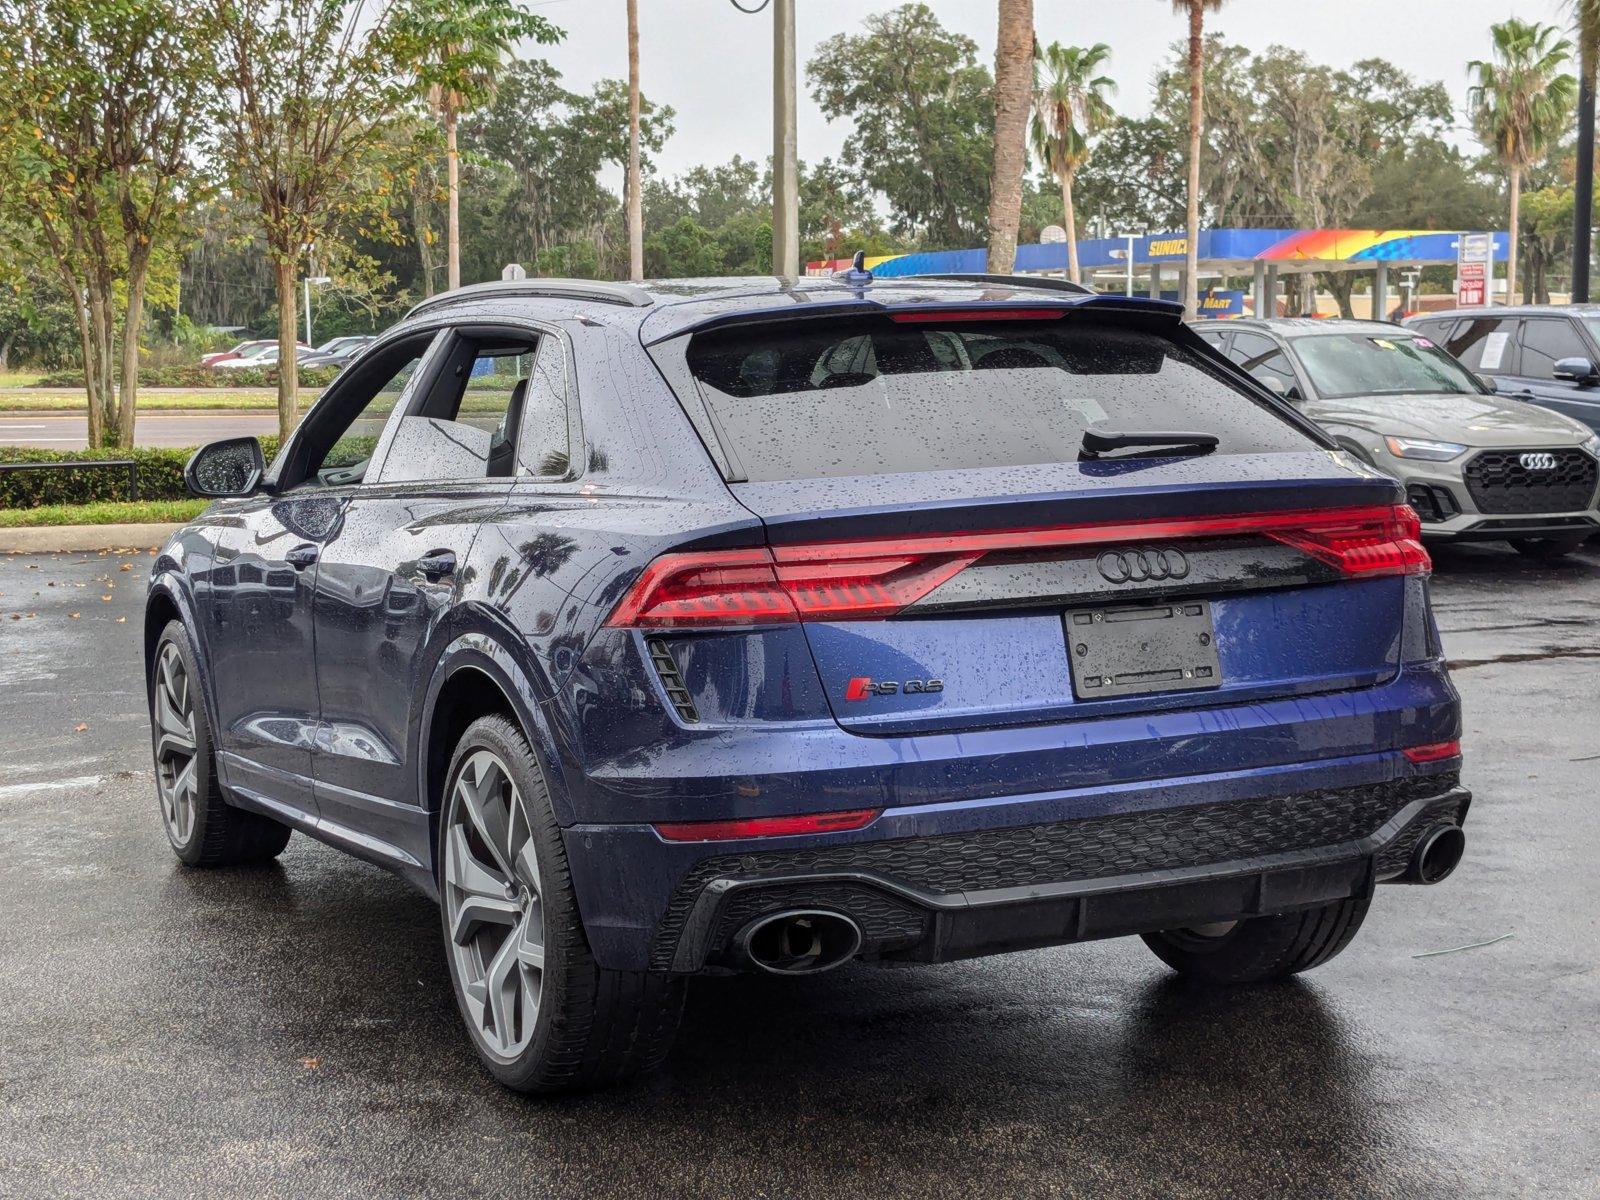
<point x="289" y="1031"/>
<point x="54" y="431"/>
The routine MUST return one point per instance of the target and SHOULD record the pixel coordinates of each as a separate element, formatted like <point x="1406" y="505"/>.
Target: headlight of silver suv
<point x="1428" y="451"/>
<point x="1592" y="445"/>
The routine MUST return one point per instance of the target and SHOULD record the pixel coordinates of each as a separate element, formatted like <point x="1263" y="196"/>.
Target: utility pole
<point x="635" y="186"/>
<point x="785" y="146"/>
<point x="1583" y="207"/>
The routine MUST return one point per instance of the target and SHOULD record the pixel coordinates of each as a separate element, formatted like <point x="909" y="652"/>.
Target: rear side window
<point x="876" y="396"/>
<point x="1545" y="342"/>
<point x="1485" y="344"/>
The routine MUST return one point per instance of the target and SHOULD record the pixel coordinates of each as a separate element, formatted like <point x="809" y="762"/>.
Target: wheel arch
<point x="168" y="601"/>
<point x="476" y="675"/>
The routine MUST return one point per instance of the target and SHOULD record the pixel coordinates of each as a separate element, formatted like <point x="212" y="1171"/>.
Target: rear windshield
<point x="873" y="396"/>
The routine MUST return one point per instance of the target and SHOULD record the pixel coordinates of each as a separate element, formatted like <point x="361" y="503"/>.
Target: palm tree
<point x="635" y="195"/>
<point x="1070" y="106"/>
<point x="1519" y="101"/>
<point x="1013" y="85"/>
<point x="1586" y="18"/>
<point x="1196" y="12"/>
<point x="460" y="45"/>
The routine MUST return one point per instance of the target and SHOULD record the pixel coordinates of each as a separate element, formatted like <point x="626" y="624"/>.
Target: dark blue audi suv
<point x="769" y="625"/>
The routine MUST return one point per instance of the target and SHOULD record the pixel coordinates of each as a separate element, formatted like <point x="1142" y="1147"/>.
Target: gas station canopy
<point x="1265" y="254"/>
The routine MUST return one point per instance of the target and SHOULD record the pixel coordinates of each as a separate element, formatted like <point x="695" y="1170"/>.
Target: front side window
<point x="347" y="455"/>
<point x="876" y="395"/>
<point x="1359" y="364"/>
<point x="1485" y="344"/>
<point x="1545" y="342"/>
<point x="495" y="409"/>
<point x="1261" y="357"/>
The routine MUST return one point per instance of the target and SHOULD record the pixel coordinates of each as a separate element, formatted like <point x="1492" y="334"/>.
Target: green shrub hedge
<point x="193" y="375"/>
<point x="160" y="473"/>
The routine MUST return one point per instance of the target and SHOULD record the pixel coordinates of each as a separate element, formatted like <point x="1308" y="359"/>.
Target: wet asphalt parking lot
<point x="289" y="1030"/>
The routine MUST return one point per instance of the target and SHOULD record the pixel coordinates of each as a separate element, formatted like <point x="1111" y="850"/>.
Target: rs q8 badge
<point x="863" y="687"/>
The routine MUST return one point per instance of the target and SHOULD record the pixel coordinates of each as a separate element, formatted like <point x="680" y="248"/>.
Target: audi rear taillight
<point x="1365" y="542"/>
<point x="856" y="580"/>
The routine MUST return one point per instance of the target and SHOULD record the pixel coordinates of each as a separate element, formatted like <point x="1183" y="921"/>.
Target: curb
<point x="55" y="539"/>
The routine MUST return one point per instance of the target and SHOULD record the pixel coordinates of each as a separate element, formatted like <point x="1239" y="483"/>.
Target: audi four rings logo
<point x="1139" y="566"/>
<point x="1538" y="462"/>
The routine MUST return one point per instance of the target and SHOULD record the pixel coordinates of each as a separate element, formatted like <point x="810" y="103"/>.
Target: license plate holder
<point x="1142" y="649"/>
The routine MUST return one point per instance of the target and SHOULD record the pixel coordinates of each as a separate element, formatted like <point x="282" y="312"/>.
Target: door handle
<point x="301" y="557"/>
<point x="437" y="565"/>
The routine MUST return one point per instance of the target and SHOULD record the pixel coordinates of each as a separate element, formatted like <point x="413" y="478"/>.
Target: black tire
<point x="1547" y="549"/>
<point x="1261" y="949"/>
<point x="594" y="1026"/>
<point x="220" y="834"/>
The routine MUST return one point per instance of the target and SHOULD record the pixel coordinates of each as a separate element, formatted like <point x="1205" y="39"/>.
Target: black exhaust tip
<point x="800" y="942"/>
<point x="1436" y="855"/>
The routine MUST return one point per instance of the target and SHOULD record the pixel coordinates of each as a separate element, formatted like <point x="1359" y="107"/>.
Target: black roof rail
<point x="1033" y="281"/>
<point x="598" y="291"/>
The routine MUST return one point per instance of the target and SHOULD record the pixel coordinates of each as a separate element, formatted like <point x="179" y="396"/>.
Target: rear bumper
<point x="986" y="890"/>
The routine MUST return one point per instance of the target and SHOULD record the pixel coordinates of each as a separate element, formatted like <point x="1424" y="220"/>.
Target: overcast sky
<point x="713" y="64"/>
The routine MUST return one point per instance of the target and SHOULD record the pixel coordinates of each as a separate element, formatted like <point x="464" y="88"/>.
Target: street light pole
<point x="785" y="146"/>
<point x="1583" y="206"/>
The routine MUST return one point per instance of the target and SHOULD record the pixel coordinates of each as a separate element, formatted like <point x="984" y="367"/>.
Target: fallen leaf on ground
<point x="74" y="616"/>
<point x="80" y="727"/>
<point x="107" y="599"/>
<point x="125" y="567"/>
<point x="122" y="620"/>
<point x="311" y="1064"/>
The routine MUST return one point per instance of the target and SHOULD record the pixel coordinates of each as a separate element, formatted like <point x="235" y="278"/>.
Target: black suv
<point x="1546" y="354"/>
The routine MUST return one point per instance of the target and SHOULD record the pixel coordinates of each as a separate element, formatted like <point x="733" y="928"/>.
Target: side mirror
<point x="1579" y="370"/>
<point x="1488" y="382"/>
<point x="231" y="467"/>
<point x="1278" y="388"/>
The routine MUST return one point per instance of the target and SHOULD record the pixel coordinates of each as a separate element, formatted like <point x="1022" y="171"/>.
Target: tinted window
<point x="1545" y="342"/>
<point x="1359" y="364"/>
<point x="345" y="461"/>
<point x="470" y="427"/>
<point x="876" y="396"/>
<point x="1485" y="344"/>
<point x="1436" y="330"/>
<point x="542" y="448"/>
<point x="1262" y="358"/>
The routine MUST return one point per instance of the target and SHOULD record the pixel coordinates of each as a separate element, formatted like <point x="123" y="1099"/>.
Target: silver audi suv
<point x="1477" y="466"/>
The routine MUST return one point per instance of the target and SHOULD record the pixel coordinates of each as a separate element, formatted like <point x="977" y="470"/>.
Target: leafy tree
<point x="308" y="93"/>
<point x="1013" y="85"/>
<point x="1134" y="179"/>
<point x="460" y="46"/>
<point x="923" y="118"/>
<point x="1070" y="108"/>
<point x="535" y="152"/>
<point x="98" y="103"/>
<point x="1195" y="11"/>
<point x="836" y="212"/>
<point x="709" y="196"/>
<point x="683" y="249"/>
<point x="1520" y="100"/>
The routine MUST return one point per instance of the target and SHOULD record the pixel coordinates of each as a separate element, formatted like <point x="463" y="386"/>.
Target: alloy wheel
<point x="494" y="909"/>
<point x="177" y="762"/>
